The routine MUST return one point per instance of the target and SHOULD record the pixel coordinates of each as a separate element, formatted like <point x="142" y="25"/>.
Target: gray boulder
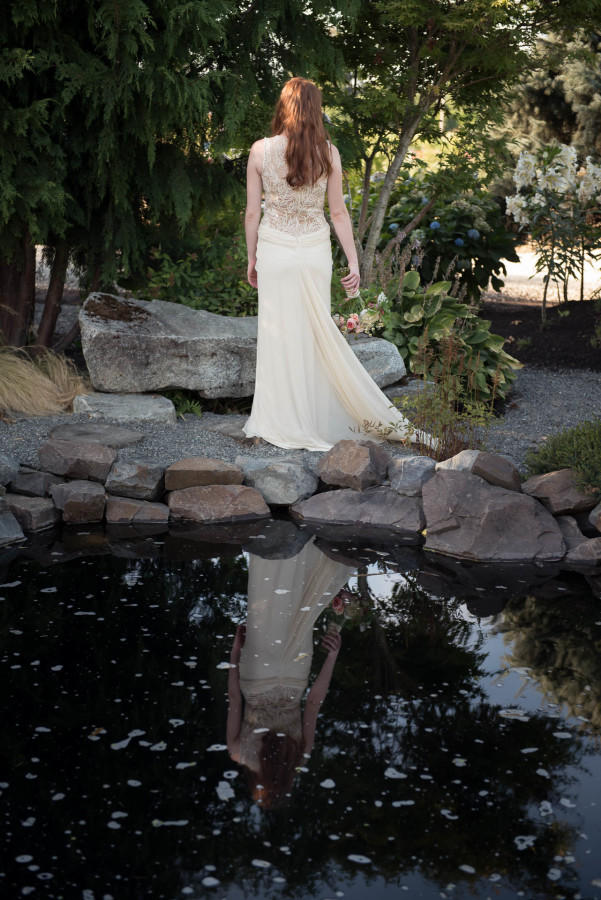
<point x="80" y="501"/>
<point x="354" y="464"/>
<point x="132" y="346"/>
<point x="199" y="471"/>
<point x="218" y="503"/>
<point x="139" y="479"/>
<point x="594" y="517"/>
<point x="33" y="513"/>
<point x="559" y="492"/>
<point x="129" y="511"/>
<point x="588" y="553"/>
<point x="282" y="481"/>
<point x="10" y="530"/>
<point x="76" y="459"/>
<point x="126" y="407"/>
<point x="492" y="468"/>
<point x="8" y="468"/>
<point x="469" y="518"/>
<point x="32" y="482"/>
<point x="572" y="536"/>
<point x="376" y="508"/>
<point x="408" y="474"/>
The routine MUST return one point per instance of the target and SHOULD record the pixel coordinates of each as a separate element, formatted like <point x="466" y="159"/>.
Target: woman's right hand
<point x="351" y="282"/>
<point x="251" y="273"/>
<point x="332" y="641"/>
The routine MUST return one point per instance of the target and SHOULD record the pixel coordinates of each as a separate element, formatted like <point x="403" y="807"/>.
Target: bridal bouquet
<point x="350" y="609"/>
<point x="360" y="314"/>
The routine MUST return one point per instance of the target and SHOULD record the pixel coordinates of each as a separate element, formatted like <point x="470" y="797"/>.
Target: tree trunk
<point x="369" y="250"/>
<point x="54" y="295"/>
<point x="17" y="291"/>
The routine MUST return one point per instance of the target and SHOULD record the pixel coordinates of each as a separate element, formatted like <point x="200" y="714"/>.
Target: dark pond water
<point x="456" y="753"/>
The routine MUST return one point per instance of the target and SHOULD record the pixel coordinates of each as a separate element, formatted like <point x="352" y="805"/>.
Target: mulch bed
<point x="563" y="343"/>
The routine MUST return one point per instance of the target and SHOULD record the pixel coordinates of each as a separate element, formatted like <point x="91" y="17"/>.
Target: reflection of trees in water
<point x="560" y="642"/>
<point x="405" y="696"/>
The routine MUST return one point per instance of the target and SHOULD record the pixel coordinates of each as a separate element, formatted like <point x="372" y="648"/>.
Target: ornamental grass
<point x="40" y="385"/>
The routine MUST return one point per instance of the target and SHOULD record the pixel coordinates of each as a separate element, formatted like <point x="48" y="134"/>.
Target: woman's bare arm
<point x="342" y="222"/>
<point x="252" y="217"/>
<point x="332" y="642"/>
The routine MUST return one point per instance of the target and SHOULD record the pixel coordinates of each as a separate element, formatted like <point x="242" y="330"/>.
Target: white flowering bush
<point x="556" y="200"/>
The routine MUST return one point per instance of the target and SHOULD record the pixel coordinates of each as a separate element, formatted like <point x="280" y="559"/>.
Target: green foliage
<point x="185" y="403"/>
<point x="213" y="279"/>
<point x="423" y="316"/>
<point x="576" y="448"/>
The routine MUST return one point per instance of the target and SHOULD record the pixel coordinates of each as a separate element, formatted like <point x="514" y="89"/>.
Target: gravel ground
<point x="541" y="403"/>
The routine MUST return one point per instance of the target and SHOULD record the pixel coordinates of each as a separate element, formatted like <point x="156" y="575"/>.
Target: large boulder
<point x="10" y="530"/>
<point x="199" y="471"/>
<point x="9" y="467"/>
<point x="469" y="518"/>
<point x="76" y="459"/>
<point x="139" y="479"/>
<point x="151" y="408"/>
<point x="354" y="464"/>
<point x="33" y="513"/>
<point x="408" y="474"/>
<point x="559" y="492"/>
<point x="281" y="481"/>
<point x="218" y="503"/>
<point x="33" y="482"/>
<point x="376" y="508"/>
<point x="133" y="346"/>
<point x="492" y="468"/>
<point x="80" y="501"/>
<point x="129" y="511"/>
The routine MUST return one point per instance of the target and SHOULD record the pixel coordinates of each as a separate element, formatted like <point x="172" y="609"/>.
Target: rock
<point x="492" y="468"/>
<point x="282" y="481"/>
<point x="587" y="553"/>
<point x="139" y="479"/>
<point x="218" y="503"/>
<point x="8" y="468"/>
<point x="594" y="517"/>
<point x="559" y="493"/>
<point x="76" y="459"/>
<point x="126" y="407"/>
<point x="10" y="530"/>
<point x="198" y="471"/>
<point x="354" y="464"/>
<point x="131" y="346"/>
<point x="96" y="433"/>
<point x="135" y="346"/>
<point x="80" y="501"/>
<point x="33" y="513"/>
<point x="278" y="539"/>
<point x="231" y="426"/>
<point x="497" y="470"/>
<point x="408" y="474"/>
<point x="381" y="359"/>
<point x="470" y="519"/>
<point x="460" y="462"/>
<point x="128" y="511"/>
<point x="572" y="536"/>
<point x="32" y="482"/>
<point x="377" y="507"/>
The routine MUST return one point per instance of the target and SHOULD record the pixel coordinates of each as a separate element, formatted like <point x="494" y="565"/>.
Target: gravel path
<point x="542" y="402"/>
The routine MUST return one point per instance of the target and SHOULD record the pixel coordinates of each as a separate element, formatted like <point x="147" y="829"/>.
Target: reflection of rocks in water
<point x="278" y="539"/>
<point x="446" y="577"/>
<point x="560" y="643"/>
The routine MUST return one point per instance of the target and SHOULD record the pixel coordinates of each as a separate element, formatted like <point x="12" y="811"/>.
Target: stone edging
<point x="472" y="506"/>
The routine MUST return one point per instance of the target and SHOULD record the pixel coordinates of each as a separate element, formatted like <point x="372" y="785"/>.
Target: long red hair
<point x="298" y="115"/>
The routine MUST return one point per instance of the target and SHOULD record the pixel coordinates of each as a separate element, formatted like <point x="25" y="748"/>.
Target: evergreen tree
<point x="116" y="117"/>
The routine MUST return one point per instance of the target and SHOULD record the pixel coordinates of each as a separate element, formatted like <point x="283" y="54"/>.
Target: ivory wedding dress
<point x="311" y="391"/>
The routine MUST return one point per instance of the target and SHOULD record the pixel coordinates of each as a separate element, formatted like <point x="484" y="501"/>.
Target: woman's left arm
<point x="252" y="217"/>
<point x="331" y="642"/>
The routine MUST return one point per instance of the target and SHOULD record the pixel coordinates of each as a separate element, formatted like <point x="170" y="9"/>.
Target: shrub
<point x="576" y="448"/>
<point x="416" y="312"/>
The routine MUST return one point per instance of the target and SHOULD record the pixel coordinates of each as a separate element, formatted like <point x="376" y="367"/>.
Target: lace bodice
<point x="277" y="709"/>
<point x="294" y="211"/>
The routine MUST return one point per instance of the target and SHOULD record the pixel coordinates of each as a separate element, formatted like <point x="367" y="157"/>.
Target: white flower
<point x="568" y="160"/>
<point x="516" y="207"/>
<point x="553" y="179"/>
<point x="525" y="170"/>
<point x="381" y="297"/>
<point x="537" y="199"/>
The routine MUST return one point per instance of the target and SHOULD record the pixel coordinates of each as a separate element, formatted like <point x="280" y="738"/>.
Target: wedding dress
<point x="285" y="599"/>
<point x="311" y="390"/>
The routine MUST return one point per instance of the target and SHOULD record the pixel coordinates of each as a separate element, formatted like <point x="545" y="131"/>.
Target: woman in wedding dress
<point x="311" y="391"/>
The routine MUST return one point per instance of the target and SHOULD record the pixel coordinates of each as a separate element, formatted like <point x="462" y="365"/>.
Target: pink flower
<point x="351" y="324"/>
<point x="338" y="605"/>
<point x="354" y="316"/>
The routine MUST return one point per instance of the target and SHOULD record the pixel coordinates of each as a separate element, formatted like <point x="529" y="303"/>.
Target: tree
<point x="406" y="58"/>
<point x="116" y="119"/>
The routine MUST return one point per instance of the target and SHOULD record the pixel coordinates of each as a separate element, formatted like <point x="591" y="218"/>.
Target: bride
<point x="311" y="391"/>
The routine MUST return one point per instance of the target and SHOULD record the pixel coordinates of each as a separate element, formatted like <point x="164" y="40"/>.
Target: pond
<point x="456" y="751"/>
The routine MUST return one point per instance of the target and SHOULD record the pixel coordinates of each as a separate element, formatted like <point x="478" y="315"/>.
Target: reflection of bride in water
<point x="267" y="732"/>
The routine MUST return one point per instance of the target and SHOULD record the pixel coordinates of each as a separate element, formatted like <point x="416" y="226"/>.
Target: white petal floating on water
<point x="158" y="823"/>
<point x="448" y="814"/>
<point x="545" y="808"/>
<point x="58" y="797"/>
<point x="391" y="772"/>
<point x="596" y="882"/>
<point x="119" y="814"/>
<point x="301" y="656"/>
<point x="283" y="591"/>
<point x="49" y="590"/>
<point x="11" y="584"/>
<point x="403" y="803"/>
<point x="209" y="881"/>
<point x="523" y="841"/>
<point x="260" y="730"/>
<point x="215" y="747"/>
<point x="119" y="745"/>
<point x="184" y="765"/>
<point x="512" y="713"/>
<point x="225" y="791"/>
<point x="24" y="858"/>
<point x="42" y="730"/>
<point x="554" y="874"/>
<point x="328" y="783"/>
<point x="562" y="735"/>
<point x="27" y="823"/>
<point x="261" y="863"/>
<point x="468" y="869"/>
<point x="176" y="722"/>
<point x="133" y="782"/>
<point x="83" y="612"/>
<point x="357" y="858"/>
<point x="567" y="803"/>
<point x="56" y="668"/>
<point x="459" y="761"/>
<point x="529" y="750"/>
<point x="305" y="608"/>
<point x="225" y="665"/>
<point x="230" y="774"/>
<point x="494" y="877"/>
<point x="113" y="825"/>
<point x="160" y="745"/>
<point x="543" y="773"/>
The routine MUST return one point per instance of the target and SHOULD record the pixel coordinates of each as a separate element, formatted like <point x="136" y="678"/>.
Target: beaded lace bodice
<point x="294" y="211"/>
<point x="277" y="709"/>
